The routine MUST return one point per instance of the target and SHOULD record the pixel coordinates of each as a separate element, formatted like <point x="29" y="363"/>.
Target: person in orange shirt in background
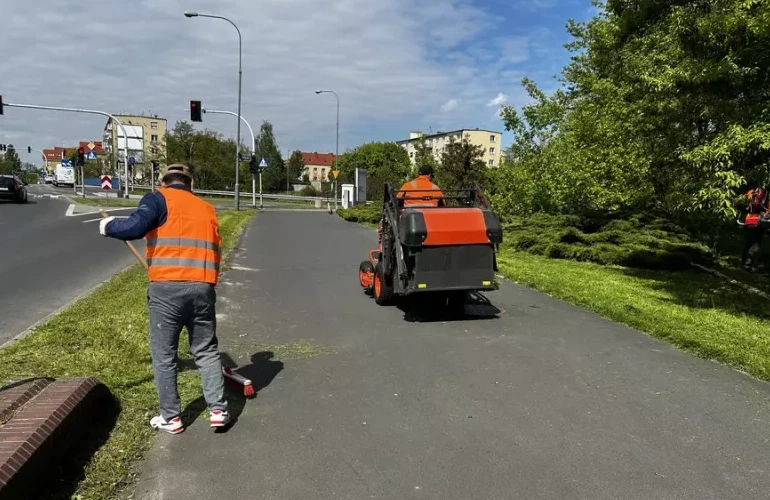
<point x="422" y="186"/>
<point x="412" y="191"/>
<point x="758" y="201"/>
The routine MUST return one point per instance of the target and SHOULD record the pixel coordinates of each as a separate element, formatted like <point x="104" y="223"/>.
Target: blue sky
<point x="397" y="65"/>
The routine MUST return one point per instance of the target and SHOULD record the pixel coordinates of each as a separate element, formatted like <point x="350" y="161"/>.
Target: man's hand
<point x="103" y="225"/>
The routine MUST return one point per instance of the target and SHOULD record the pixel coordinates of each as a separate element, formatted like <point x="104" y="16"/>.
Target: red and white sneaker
<point x="173" y="427"/>
<point x="219" y="418"/>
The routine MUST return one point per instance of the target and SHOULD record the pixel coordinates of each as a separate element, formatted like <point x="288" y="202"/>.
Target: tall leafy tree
<point x="664" y="106"/>
<point x="423" y="156"/>
<point x="383" y="162"/>
<point x="296" y="165"/>
<point x="274" y="178"/>
<point x="462" y="163"/>
<point x="10" y="163"/>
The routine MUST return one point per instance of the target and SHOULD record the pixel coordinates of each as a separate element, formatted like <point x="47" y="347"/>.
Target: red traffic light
<point x="195" y="111"/>
<point x="81" y="151"/>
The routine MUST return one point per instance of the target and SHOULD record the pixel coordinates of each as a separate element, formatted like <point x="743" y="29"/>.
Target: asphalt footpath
<point x="526" y="397"/>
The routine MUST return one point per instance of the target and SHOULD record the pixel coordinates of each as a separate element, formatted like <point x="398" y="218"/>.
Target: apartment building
<point x="318" y="166"/>
<point x="145" y="138"/>
<point x="489" y="140"/>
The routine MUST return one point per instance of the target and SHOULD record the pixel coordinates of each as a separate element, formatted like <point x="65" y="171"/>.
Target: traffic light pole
<point x="87" y="111"/>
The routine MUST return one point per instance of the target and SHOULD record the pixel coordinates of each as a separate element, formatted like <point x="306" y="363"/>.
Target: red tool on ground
<point x="240" y="380"/>
<point x="230" y="375"/>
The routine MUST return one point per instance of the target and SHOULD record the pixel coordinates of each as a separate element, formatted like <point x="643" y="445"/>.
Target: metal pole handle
<point x="129" y="245"/>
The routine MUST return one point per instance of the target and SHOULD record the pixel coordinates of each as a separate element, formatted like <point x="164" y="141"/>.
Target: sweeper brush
<point x="239" y="381"/>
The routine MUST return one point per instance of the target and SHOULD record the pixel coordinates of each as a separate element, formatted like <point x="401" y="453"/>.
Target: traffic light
<point x="29" y="149"/>
<point x="155" y="167"/>
<point x="81" y="157"/>
<point x="1" y="105"/>
<point x="195" y="111"/>
<point x="253" y="164"/>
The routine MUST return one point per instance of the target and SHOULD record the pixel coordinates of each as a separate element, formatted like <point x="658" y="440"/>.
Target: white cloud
<point x="449" y="106"/>
<point x="390" y="63"/>
<point x="515" y="49"/>
<point x="499" y="100"/>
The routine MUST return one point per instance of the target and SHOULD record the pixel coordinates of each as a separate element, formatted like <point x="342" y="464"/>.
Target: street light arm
<point x="87" y="111"/>
<point x="251" y="131"/>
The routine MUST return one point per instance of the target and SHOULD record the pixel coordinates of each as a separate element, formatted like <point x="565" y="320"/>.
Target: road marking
<point x="69" y="214"/>
<point x="70" y="209"/>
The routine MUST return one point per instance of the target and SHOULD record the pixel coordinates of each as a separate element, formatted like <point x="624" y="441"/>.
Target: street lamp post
<point x="337" y="150"/>
<point x="253" y="151"/>
<point x="238" y="134"/>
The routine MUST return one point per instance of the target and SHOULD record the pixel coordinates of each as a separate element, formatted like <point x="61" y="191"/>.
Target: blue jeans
<point x="173" y="305"/>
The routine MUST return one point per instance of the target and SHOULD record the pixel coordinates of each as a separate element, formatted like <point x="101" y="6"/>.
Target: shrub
<point x="638" y="241"/>
<point x="308" y="191"/>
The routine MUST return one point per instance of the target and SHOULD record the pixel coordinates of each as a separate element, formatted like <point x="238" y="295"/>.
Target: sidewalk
<point x="358" y="401"/>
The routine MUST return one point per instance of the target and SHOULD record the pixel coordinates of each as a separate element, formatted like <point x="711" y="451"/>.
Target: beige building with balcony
<point x="489" y="140"/>
<point x="146" y="137"/>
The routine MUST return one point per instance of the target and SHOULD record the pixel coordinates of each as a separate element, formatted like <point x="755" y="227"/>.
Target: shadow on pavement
<point x="261" y="371"/>
<point x="420" y="308"/>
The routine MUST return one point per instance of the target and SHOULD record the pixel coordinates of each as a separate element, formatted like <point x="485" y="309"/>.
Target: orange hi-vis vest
<point x="423" y="184"/>
<point x="187" y="247"/>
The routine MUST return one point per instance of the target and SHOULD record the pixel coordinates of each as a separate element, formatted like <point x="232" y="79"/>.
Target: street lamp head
<point x="191" y="14"/>
<point x="318" y="91"/>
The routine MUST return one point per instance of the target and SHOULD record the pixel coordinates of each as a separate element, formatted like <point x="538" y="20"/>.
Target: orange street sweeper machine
<point x="446" y="250"/>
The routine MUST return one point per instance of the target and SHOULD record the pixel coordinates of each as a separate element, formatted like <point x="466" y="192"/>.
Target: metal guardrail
<point x="264" y="195"/>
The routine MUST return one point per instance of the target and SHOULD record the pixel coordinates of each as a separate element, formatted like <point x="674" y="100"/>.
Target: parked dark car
<point x="13" y="188"/>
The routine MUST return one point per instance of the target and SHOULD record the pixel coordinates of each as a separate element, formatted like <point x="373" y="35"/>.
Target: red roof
<point x="318" y="159"/>
<point x="56" y="152"/>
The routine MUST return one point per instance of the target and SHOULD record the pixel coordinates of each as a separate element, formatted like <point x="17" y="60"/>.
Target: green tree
<point x="274" y="177"/>
<point x="423" y="156"/>
<point x="296" y="166"/>
<point x="461" y="163"/>
<point x="10" y="163"/>
<point x="663" y="107"/>
<point x="383" y="162"/>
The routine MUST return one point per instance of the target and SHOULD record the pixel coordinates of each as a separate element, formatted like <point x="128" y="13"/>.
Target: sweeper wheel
<point x="383" y="286"/>
<point x="366" y="276"/>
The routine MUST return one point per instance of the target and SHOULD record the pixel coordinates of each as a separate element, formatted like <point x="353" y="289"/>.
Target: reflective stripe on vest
<point x="177" y="261"/>
<point x="183" y="242"/>
<point x="187" y="246"/>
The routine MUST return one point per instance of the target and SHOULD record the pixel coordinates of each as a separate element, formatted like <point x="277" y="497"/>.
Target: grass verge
<point x="692" y="310"/>
<point x="105" y="335"/>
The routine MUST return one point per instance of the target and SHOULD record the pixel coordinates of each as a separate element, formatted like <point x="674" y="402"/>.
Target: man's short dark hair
<point x="425" y="170"/>
<point x="173" y="177"/>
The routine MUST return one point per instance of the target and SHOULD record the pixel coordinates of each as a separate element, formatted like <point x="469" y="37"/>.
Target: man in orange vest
<point x="183" y="256"/>
<point x="421" y="186"/>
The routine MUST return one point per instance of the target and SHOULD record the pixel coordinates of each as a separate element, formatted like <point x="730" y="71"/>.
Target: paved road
<point x="545" y="401"/>
<point x="48" y="259"/>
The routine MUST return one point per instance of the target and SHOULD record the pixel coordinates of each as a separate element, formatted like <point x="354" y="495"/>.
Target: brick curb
<point x="14" y="396"/>
<point x="41" y="431"/>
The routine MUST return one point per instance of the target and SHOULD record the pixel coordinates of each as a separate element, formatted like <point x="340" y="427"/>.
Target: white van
<point x="64" y="176"/>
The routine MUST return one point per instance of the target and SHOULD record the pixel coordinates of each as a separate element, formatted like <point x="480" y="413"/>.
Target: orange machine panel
<point x="455" y="226"/>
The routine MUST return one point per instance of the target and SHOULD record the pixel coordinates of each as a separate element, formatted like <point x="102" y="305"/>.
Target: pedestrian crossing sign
<point x="263" y="163"/>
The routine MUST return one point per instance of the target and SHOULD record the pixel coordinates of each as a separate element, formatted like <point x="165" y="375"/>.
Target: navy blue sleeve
<point x="150" y="215"/>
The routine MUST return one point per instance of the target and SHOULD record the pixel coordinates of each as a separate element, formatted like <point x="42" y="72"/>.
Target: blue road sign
<point x="90" y="155"/>
<point x="263" y="164"/>
<point x="65" y="163"/>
